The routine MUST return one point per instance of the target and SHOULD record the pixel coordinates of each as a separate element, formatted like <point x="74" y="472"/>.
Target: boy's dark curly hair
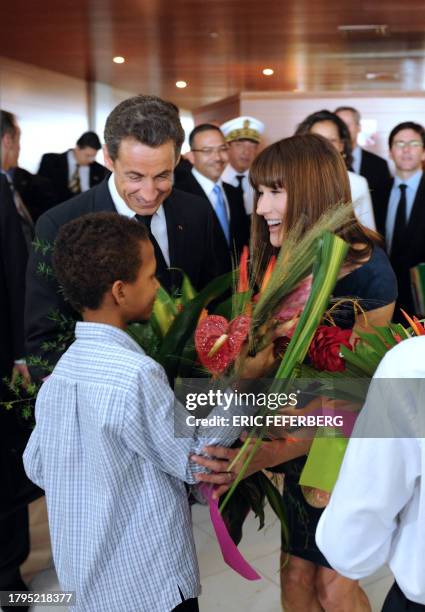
<point x="92" y="252"/>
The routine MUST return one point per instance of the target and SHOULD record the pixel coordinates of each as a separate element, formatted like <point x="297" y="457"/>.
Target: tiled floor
<point x="222" y="589"/>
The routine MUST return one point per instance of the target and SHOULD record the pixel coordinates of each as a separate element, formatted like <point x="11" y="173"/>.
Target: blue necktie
<point x="221" y="212"/>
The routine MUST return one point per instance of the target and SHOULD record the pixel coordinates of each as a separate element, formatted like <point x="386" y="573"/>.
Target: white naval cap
<point x="243" y="128"/>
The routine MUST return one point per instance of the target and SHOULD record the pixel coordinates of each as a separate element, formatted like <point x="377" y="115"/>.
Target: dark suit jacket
<point x="36" y="191"/>
<point x="376" y="172"/>
<point x="54" y="166"/>
<point x="15" y="488"/>
<point x="189" y="227"/>
<point x="414" y="253"/>
<point x="239" y="222"/>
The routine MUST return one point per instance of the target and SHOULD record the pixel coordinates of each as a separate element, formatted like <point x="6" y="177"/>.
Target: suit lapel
<point x="417" y="216"/>
<point x="64" y="168"/>
<point x="177" y="233"/>
<point x="102" y="200"/>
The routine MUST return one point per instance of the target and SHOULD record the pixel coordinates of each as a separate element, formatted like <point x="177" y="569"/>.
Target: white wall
<point x="51" y="108"/>
<point x="282" y="112"/>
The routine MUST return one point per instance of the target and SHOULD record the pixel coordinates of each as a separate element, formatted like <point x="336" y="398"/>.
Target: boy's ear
<point x="118" y="292"/>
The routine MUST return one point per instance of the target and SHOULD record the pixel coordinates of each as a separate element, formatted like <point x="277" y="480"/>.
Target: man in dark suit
<point x="209" y="156"/>
<point x="16" y="491"/>
<point x="400" y="215"/>
<point x="143" y="138"/>
<point x="74" y="171"/>
<point x="372" y="167"/>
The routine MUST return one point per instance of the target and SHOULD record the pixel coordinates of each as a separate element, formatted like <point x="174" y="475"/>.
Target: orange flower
<point x="268" y="273"/>
<point x="243" y="283"/>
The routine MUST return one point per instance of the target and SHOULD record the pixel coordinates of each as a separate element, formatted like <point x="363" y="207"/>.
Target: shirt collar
<point x="206" y="183"/>
<point x="231" y="170"/>
<point x="101" y="331"/>
<point x="412" y="182"/>
<point x="121" y="206"/>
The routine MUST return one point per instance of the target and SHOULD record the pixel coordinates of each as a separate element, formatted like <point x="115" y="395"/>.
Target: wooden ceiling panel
<point x="221" y="46"/>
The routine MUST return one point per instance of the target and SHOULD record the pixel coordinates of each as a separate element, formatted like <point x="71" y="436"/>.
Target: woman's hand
<point x="220" y="458"/>
<point x="269" y="454"/>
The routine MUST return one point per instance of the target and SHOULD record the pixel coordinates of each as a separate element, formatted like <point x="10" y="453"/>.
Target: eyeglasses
<point x="208" y="151"/>
<point x="402" y="144"/>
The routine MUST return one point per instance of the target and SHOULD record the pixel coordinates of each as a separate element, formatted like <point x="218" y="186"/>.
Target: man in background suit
<point x="16" y="491"/>
<point x="143" y="138"/>
<point x="76" y="170"/>
<point x="209" y="155"/>
<point x="401" y="212"/>
<point x="33" y="194"/>
<point x="372" y="167"/>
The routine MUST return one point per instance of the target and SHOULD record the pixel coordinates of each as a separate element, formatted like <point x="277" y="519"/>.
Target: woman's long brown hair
<point x="315" y="178"/>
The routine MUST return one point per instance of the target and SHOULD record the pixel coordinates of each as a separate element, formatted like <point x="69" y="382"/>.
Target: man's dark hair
<point x="89" y="139"/>
<point x="349" y="109"/>
<point x="7" y="123"/>
<point x="344" y="135"/>
<point x="94" y="251"/>
<point x="148" y="119"/>
<point x="202" y="127"/>
<point x="407" y="125"/>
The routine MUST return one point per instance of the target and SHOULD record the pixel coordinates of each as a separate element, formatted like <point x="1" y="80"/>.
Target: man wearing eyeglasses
<point x="401" y="219"/>
<point x="209" y="156"/>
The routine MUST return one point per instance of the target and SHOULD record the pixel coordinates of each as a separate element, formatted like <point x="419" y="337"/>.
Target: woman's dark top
<point x="372" y="285"/>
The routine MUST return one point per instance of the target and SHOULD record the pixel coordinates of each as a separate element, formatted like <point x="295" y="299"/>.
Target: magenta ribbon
<point x="229" y="550"/>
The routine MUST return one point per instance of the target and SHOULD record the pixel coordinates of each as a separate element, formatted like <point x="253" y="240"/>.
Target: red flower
<point x="219" y="342"/>
<point x="324" y="349"/>
<point x="293" y="304"/>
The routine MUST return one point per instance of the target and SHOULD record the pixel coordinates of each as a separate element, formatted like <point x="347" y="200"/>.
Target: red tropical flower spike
<point x="243" y="282"/>
<point x="268" y="273"/>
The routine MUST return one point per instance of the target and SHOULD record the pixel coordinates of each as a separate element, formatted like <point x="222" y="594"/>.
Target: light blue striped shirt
<point x="104" y="451"/>
<point x="412" y="187"/>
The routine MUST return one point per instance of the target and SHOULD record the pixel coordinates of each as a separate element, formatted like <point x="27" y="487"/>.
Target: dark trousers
<point x="187" y="605"/>
<point x="396" y="601"/>
<point x="14" y="548"/>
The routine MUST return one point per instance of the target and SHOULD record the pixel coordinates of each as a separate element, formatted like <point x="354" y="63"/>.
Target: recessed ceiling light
<point x="213" y="34"/>
<point x="181" y="84"/>
<point x="268" y="71"/>
<point x="119" y="59"/>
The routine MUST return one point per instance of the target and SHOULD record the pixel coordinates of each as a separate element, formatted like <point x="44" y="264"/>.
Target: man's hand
<point x="21" y="369"/>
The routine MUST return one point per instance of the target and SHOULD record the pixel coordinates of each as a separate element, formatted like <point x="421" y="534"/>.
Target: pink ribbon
<point x="229" y="550"/>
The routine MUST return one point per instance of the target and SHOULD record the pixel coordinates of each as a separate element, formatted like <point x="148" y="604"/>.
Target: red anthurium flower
<point x="219" y="342"/>
<point x="324" y="349"/>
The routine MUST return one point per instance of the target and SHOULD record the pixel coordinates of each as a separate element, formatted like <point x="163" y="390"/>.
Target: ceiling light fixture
<point x="364" y="28"/>
<point x="268" y="71"/>
<point x="119" y="59"/>
<point x="181" y="84"/>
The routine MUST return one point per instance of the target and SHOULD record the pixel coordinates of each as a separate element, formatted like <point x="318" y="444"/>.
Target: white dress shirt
<point x="208" y="186"/>
<point x="83" y="171"/>
<point x="362" y="202"/>
<point x="229" y="176"/>
<point x="158" y="223"/>
<point x="357" y="159"/>
<point x="412" y="187"/>
<point x="376" y="513"/>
